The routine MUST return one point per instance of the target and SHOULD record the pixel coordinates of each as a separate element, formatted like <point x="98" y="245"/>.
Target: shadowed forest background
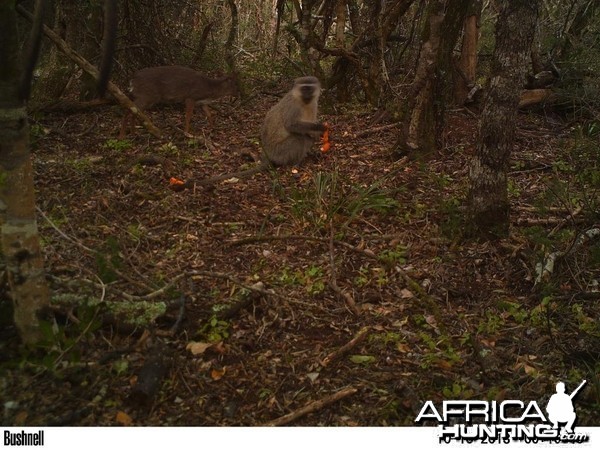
<point x="446" y="246"/>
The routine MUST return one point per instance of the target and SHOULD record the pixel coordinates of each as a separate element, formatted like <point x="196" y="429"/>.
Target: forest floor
<point x="354" y="247"/>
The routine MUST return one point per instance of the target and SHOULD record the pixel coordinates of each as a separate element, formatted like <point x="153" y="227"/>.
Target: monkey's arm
<point x="306" y="127"/>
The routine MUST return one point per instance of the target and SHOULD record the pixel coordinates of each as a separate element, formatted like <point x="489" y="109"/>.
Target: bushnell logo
<point x="510" y="420"/>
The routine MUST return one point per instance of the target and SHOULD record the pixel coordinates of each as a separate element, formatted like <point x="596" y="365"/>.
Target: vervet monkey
<point x="288" y="131"/>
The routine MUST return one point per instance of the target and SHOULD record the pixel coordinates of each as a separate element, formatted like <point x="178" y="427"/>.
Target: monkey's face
<point x="307" y="89"/>
<point x="307" y="93"/>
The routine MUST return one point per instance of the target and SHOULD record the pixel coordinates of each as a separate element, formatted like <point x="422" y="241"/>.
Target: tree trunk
<point x="467" y="64"/>
<point x="443" y="83"/>
<point x="19" y="232"/>
<point x="233" y="31"/>
<point x="340" y="22"/>
<point x="488" y="197"/>
<point x="425" y="110"/>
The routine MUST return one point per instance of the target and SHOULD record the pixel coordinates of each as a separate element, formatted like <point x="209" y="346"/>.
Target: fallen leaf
<point x="312" y="376"/>
<point x="402" y="348"/>
<point x="197" y="348"/>
<point x="362" y="359"/>
<point x="400" y="323"/>
<point x="443" y="364"/>
<point x="405" y="293"/>
<point x="20" y="418"/>
<point x="488" y="343"/>
<point x="219" y="347"/>
<point x="431" y="321"/>
<point x="217" y="374"/>
<point x="124" y="418"/>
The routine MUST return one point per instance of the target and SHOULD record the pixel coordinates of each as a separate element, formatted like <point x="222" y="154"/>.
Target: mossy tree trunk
<point x="488" y="196"/>
<point x="19" y="232"/>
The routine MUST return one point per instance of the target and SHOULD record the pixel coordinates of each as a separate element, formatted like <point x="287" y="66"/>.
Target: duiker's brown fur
<point x="177" y="84"/>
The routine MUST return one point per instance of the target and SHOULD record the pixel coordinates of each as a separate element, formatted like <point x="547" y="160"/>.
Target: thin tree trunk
<point x="417" y="134"/>
<point x="19" y="232"/>
<point x="340" y="22"/>
<point x="233" y="30"/>
<point x="488" y="197"/>
<point x="424" y="113"/>
<point x="278" y="10"/>
<point x="467" y="64"/>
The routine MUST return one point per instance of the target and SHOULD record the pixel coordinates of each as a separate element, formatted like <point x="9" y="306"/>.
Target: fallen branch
<point x="60" y="232"/>
<point x="333" y="277"/>
<point x="536" y="96"/>
<point x="155" y="293"/>
<point x="357" y="339"/>
<point x="545" y="268"/>
<point x="312" y="407"/>
<point x="247" y="300"/>
<point x="292" y="237"/>
<point x="559" y="222"/>
<point x="376" y="129"/>
<point x="531" y="221"/>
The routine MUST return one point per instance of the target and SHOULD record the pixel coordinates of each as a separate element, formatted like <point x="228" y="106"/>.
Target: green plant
<point x="36" y="132"/>
<point x="329" y="199"/>
<point x="362" y="279"/>
<point x="117" y="144"/>
<point x="169" y="149"/>
<point x="60" y="341"/>
<point x="109" y="260"/>
<point x="215" y="330"/>
<point x="587" y="324"/>
<point x="492" y="323"/>
<point x="514" y="310"/>
<point x="453" y="221"/>
<point x="394" y="256"/>
<point x="288" y="278"/>
<point x="136" y="231"/>
<point x="314" y="280"/>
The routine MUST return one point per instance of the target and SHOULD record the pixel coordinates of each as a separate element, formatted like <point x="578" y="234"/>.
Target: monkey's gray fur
<point x="289" y="129"/>
<point x="291" y="126"/>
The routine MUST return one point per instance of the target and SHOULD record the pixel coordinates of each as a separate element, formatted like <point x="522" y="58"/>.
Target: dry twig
<point x="333" y="277"/>
<point x="357" y="339"/>
<point x="312" y="407"/>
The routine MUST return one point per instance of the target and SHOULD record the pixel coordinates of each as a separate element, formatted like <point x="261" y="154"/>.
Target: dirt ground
<point x="355" y="247"/>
